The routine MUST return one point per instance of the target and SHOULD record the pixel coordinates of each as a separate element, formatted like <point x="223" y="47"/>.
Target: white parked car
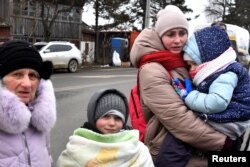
<point x="63" y="55"/>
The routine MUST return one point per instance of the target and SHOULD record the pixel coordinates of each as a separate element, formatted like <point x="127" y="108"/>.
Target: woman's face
<point x="175" y="39"/>
<point x="22" y="82"/>
<point x="109" y="124"/>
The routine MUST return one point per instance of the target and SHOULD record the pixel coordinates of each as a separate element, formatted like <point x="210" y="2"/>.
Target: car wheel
<point x="72" y="66"/>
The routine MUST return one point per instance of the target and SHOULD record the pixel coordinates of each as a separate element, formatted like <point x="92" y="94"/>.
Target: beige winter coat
<point x="163" y="109"/>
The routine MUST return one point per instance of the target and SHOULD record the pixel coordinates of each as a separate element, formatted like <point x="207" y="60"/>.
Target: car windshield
<point x="39" y="47"/>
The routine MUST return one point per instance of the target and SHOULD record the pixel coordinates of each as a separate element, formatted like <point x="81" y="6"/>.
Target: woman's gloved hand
<point x="188" y="85"/>
<point x="180" y="88"/>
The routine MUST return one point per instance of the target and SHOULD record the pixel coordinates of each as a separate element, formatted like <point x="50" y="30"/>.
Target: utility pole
<point x="147" y="16"/>
<point x="96" y="31"/>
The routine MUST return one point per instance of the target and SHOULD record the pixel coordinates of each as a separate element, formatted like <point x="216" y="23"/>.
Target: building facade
<point x="25" y="22"/>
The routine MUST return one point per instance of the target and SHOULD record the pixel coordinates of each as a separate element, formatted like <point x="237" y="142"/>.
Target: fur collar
<point x="15" y="116"/>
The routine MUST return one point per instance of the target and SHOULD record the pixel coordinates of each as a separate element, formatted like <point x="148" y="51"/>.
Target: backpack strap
<point x="135" y="109"/>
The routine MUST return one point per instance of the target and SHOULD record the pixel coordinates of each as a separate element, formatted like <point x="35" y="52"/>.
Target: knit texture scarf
<point x="209" y="68"/>
<point x="167" y="59"/>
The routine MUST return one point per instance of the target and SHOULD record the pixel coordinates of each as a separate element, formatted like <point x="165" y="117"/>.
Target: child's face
<point x="175" y="39"/>
<point x="109" y="124"/>
<point x="191" y="65"/>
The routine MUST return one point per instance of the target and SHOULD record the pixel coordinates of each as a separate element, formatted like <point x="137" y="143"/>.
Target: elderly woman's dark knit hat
<point x="207" y="44"/>
<point x="168" y="18"/>
<point x="107" y="101"/>
<point x="18" y="54"/>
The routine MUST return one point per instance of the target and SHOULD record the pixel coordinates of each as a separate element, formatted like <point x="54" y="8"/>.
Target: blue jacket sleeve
<point x="218" y="97"/>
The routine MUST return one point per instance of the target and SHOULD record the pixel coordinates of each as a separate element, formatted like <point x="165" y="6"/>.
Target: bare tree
<point x="156" y="5"/>
<point x="50" y="9"/>
<point x="240" y="14"/>
<point x="111" y="9"/>
<point x="230" y="11"/>
<point x="130" y="13"/>
<point x="218" y="9"/>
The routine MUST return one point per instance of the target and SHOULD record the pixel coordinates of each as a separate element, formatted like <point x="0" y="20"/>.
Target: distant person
<point x="103" y="140"/>
<point x="27" y="106"/>
<point x="221" y="24"/>
<point x="249" y="47"/>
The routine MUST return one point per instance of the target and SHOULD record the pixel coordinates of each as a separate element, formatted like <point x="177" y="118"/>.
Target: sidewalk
<point x="95" y="66"/>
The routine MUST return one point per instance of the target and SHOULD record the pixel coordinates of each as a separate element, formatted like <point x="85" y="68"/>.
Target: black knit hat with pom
<point x="18" y="54"/>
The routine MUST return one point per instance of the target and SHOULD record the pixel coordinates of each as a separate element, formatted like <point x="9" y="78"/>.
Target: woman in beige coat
<point x="157" y="54"/>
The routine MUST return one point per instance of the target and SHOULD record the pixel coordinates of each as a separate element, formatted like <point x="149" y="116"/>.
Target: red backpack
<point x="135" y="110"/>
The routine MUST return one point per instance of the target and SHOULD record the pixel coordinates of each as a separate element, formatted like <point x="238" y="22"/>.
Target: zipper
<point x="27" y="154"/>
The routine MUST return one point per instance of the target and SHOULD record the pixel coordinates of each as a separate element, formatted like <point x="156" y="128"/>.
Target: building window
<point x="32" y="8"/>
<point x="24" y="7"/>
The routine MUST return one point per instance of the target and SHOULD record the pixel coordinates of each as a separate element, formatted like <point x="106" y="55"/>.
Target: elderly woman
<point x="27" y="106"/>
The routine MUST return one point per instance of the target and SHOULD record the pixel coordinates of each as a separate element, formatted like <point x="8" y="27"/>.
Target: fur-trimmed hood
<point x="15" y="116"/>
